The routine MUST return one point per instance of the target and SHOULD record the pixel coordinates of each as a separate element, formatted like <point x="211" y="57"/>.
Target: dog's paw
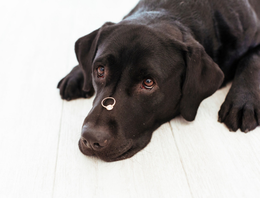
<point x="71" y="86"/>
<point x="240" y="111"/>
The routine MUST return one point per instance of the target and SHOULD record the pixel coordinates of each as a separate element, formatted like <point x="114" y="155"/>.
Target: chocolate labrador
<point x="161" y="61"/>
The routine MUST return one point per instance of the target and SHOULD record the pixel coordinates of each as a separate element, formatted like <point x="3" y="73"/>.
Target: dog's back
<point x="226" y="29"/>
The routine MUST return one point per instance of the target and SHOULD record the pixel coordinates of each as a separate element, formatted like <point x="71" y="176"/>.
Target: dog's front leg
<point x="241" y="108"/>
<point x="71" y="85"/>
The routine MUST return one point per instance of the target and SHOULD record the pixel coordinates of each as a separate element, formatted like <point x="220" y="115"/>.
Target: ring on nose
<point x="110" y="106"/>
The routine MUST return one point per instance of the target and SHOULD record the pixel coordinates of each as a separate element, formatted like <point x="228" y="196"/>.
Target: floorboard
<point x="218" y="163"/>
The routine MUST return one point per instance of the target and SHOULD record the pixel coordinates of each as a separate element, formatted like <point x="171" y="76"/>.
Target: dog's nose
<point x="95" y="138"/>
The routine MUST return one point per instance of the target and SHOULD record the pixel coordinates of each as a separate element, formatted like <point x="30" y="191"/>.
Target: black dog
<point x="161" y="61"/>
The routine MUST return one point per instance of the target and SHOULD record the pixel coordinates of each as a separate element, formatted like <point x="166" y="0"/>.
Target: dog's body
<point x="226" y="29"/>
<point x="161" y="61"/>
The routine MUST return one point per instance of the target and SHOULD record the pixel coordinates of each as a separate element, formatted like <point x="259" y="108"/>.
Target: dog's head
<point x="152" y="72"/>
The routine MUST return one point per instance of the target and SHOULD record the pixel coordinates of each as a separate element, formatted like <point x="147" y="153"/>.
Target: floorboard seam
<point x="181" y="159"/>
<point x="57" y="150"/>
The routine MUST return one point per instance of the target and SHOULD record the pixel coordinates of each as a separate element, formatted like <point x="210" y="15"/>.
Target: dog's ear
<point x="203" y="77"/>
<point x="85" y="49"/>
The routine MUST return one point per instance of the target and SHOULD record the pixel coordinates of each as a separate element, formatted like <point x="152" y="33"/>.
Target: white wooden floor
<point x="39" y="132"/>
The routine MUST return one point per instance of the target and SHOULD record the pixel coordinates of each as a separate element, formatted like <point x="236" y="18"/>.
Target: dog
<point x="161" y="61"/>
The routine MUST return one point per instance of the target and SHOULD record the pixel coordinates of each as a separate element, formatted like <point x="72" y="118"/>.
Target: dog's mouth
<point x="123" y="152"/>
<point x="112" y="154"/>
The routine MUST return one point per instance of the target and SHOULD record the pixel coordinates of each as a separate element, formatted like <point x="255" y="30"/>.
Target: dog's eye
<point x="100" y="71"/>
<point x="148" y="83"/>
